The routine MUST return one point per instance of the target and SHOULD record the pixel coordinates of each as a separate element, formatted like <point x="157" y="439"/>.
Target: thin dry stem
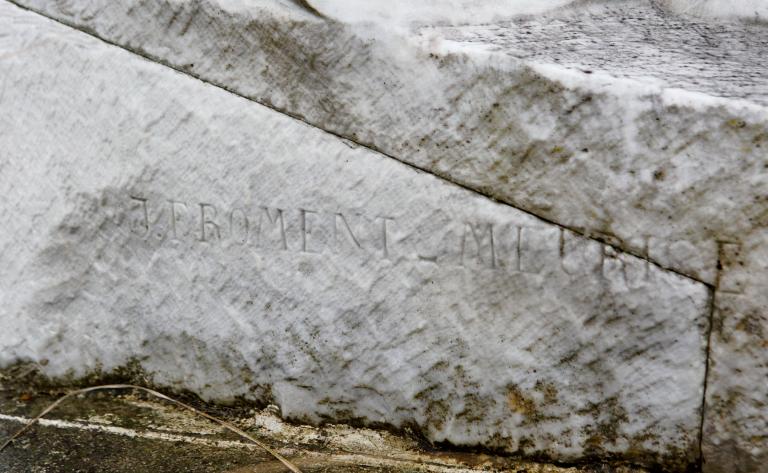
<point x="224" y="424"/>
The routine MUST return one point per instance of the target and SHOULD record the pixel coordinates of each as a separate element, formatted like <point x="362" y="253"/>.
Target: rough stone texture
<point x="736" y="421"/>
<point x="744" y="10"/>
<point x="614" y="119"/>
<point x="636" y="41"/>
<point x="402" y="12"/>
<point x="126" y="432"/>
<point x="591" y="130"/>
<point x="545" y="137"/>
<point x="234" y="251"/>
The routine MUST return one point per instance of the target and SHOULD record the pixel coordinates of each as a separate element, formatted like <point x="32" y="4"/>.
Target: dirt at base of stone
<point x="128" y="432"/>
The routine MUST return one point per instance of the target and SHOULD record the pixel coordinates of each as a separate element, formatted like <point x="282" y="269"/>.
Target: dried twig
<point x="224" y="424"/>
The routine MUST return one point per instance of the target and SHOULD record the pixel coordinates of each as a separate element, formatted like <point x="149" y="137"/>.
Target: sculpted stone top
<point x="711" y="46"/>
<point x="636" y="40"/>
<point x="485" y="11"/>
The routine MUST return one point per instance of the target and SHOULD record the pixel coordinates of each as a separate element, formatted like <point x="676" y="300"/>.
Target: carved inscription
<point x="300" y="229"/>
<point x="432" y="240"/>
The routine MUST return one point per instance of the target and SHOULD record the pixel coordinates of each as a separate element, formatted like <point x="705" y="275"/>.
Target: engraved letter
<point x="145" y="212"/>
<point x="530" y="249"/>
<point x="384" y="245"/>
<point x="479" y="238"/>
<point x="205" y="221"/>
<point x="349" y="230"/>
<point x="273" y="221"/>
<point x="610" y="253"/>
<point x="174" y="216"/>
<point x="563" y="252"/>
<point x="232" y="224"/>
<point x="305" y="230"/>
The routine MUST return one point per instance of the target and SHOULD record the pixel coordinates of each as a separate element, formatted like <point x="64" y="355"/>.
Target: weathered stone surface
<point x="231" y="250"/>
<point x="620" y="120"/>
<point x="127" y="432"/>
<point x="630" y="161"/>
<point x="749" y="10"/>
<point x="736" y="422"/>
<point x="404" y="12"/>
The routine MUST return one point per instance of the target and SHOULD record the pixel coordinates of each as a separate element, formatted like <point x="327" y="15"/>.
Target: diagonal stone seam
<point x="708" y="355"/>
<point x="708" y="351"/>
<point x="306" y="5"/>
<point x="371" y="147"/>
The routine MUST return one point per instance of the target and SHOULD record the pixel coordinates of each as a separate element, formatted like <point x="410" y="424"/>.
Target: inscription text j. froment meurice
<point x="435" y="239"/>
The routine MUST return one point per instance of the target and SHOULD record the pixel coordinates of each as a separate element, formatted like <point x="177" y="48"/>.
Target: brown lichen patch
<point x="752" y="323"/>
<point x="606" y="428"/>
<point x="474" y="409"/>
<point x="519" y="402"/>
<point x="548" y="390"/>
<point x="133" y="411"/>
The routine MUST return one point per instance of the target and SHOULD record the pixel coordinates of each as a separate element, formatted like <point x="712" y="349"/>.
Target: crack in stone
<point x="368" y="146"/>
<point x="708" y="352"/>
<point x="305" y="5"/>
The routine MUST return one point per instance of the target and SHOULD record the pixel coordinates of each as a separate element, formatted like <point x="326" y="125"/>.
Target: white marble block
<point x="534" y="227"/>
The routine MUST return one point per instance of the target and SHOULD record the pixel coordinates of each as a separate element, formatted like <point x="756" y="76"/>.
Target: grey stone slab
<point x="640" y="123"/>
<point x="231" y="250"/>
